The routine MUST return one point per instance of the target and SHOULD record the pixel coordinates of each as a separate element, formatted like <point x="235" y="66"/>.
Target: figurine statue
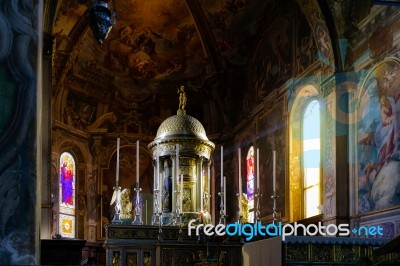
<point x="245" y="208"/>
<point x="116" y="197"/>
<point x="182" y="98"/>
<point x="126" y="204"/>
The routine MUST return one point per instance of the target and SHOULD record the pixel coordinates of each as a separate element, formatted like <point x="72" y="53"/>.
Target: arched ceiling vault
<point x="156" y="46"/>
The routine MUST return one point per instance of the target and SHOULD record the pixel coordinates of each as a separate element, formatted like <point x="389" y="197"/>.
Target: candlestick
<point x="138" y="209"/>
<point x="240" y="184"/>
<point x="137" y="163"/>
<point x="117" y="167"/>
<point x="181" y="193"/>
<point x="158" y="167"/>
<point x="222" y="205"/>
<point x="274" y="171"/>
<point x="161" y="192"/>
<point x="224" y="177"/>
<point x="258" y="168"/>
<point x="177" y="165"/>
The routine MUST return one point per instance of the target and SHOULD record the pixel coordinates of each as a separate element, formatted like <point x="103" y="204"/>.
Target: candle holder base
<point x="117" y="219"/>
<point x="222" y="220"/>
<point x="258" y="195"/>
<point x="177" y="221"/>
<point x="138" y="210"/>
<point x="137" y="220"/>
<point x="180" y="234"/>
<point x="160" y="232"/>
<point x="275" y="214"/>
<point x="156" y="220"/>
<point x="160" y="238"/>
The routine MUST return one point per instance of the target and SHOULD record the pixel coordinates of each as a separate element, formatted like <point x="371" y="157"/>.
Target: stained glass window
<point x="250" y="182"/>
<point x="311" y="159"/>
<point x="67" y="196"/>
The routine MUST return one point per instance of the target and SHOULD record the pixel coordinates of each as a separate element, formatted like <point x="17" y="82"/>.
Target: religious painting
<point x="150" y="42"/>
<point x="232" y="23"/>
<point x="250" y="168"/>
<point x="272" y="61"/>
<point x="306" y="50"/>
<point x="78" y="113"/>
<point x="67" y="195"/>
<point x="272" y="137"/>
<point x="378" y="142"/>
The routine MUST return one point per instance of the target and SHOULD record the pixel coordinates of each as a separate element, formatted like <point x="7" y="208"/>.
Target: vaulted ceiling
<point x="156" y="46"/>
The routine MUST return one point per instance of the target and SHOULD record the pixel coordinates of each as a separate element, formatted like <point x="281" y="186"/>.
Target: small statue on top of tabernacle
<point x="182" y="98"/>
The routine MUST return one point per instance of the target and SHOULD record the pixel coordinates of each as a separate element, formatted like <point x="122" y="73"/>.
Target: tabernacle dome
<point x="181" y="145"/>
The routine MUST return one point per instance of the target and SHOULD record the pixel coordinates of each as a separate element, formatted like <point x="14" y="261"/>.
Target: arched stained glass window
<point x="250" y="182"/>
<point x="67" y="195"/>
<point x="311" y="148"/>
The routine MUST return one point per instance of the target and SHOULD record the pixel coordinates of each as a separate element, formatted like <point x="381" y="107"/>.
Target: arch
<point x="305" y="94"/>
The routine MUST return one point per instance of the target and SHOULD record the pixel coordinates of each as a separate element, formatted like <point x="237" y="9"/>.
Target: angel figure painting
<point x="378" y="138"/>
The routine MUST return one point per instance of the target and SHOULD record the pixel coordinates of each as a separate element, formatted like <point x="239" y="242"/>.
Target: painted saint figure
<point x="66" y="179"/>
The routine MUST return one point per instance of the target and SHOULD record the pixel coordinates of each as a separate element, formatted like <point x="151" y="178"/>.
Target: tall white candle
<point x="222" y="167"/>
<point x="240" y="183"/>
<point x="181" y="193"/>
<point x="201" y="190"/>
<point x="177" y="165"/>
<point x="117" y="167"/>
<point x="274" y="171"/>
<point x="209" y="180"/>
<point x="145" y="204"/>
<point x="258" y="169"/>
<point x="157" y="185"/>
<point x="137" y="163"/>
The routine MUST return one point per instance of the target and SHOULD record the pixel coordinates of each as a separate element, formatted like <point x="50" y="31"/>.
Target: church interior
<point x="123" y="123"/>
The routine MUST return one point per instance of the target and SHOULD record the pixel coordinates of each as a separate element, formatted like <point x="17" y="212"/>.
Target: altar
<point x="168" y="245"/>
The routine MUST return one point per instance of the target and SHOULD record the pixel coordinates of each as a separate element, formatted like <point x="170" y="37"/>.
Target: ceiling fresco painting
<point x="152" y="40"/>
<point x="236" y="23"/>
<point x="157" y="46"/>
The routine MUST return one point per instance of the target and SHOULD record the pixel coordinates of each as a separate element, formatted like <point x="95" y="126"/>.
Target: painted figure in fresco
<point x="71" y="118"/>
<point x="322" y="39"/>
<point x="167" y="189"/>
<point x="379" y="141"/>
<point x="165" y="195"/>
<point x="385" y="135"/>
<point x="66" y="179"/>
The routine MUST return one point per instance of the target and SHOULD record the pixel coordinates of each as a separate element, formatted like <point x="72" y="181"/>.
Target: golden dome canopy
<point x="181" y="126"/>
<point x="184" y="131"/>
<point x="187" y="132"/>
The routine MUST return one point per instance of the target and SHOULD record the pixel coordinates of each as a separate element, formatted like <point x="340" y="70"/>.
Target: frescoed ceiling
<point x="155" y="47"/>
